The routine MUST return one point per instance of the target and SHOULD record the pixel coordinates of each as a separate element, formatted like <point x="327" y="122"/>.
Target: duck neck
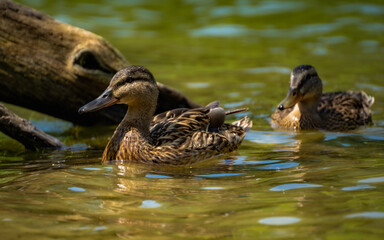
<point x="308" y="107"/>
<point x="138" y="118"/>
<point x="305" y="115"/>
<point x="134" y="124"/>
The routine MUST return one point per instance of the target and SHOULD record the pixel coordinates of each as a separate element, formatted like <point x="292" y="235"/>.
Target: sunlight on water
<point x="291" y="186"/>
<point x="372" y="180"/>
<point x="278" y="166"/>
<point x="149" y="204"/>
<point x="279" y="220"/>
<point x="358" y="187"/>
<point x="366" y="215"/>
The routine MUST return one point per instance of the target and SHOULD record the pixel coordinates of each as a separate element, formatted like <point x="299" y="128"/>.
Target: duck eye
<point x="294" y="93"/>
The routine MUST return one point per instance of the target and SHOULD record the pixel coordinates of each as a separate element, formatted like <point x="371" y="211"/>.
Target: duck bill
<point x="290" y="100"/>
<point x="104" y="100"/>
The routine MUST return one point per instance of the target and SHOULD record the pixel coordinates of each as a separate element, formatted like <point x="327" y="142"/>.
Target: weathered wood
<point x="55" y="68"/>
<point x="24" y="132"/>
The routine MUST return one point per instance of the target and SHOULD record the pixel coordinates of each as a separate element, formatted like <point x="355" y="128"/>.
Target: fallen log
<point x="23" y="131"/>
<point x="55" y="68"/>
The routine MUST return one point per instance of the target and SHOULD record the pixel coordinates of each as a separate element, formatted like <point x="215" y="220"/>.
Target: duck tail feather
<point x="244" y="123"/>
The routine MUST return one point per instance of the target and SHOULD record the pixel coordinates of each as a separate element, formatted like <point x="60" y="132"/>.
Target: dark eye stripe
<point x="130" y="80"/>
<point x="126" y="80"/>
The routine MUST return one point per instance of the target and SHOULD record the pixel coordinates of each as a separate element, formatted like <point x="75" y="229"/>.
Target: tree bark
<point x="55" y="68"/>
<point x="24" y="132"/>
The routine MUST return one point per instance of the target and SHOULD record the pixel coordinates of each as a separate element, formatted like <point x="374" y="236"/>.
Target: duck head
<point x="305" y="87"/>
<point x="133" y="86"/>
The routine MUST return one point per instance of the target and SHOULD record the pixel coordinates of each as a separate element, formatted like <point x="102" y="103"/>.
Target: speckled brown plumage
<point x="335" y="111"/>
<point x="180" y="136"/>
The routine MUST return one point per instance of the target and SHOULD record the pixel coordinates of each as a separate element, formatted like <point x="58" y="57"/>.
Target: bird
<point x="177" y="137"/>
<point x="307" y="107"/>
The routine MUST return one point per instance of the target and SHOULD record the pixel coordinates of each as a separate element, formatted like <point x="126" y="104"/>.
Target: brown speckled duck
<point x="306" y="107"/>
<point x="180" y="136"/>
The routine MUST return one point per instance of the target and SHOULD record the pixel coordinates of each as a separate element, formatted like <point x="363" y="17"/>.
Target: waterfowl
<point x="179" y="136"/>
<point x="306" y="107"/>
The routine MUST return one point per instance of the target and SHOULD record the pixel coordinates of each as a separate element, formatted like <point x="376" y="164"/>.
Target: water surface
<point x="278" y="185"/>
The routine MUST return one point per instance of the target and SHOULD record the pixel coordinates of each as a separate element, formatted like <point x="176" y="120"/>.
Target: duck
<point x="307" y="107"/>
<point x="177" y="137"/>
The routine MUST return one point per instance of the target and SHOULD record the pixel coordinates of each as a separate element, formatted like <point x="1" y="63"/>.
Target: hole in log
<point x="87" y="60"/>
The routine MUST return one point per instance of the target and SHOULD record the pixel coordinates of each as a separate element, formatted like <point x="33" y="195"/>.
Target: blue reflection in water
<point x="156" y="176"/>
<point x="271" y="137"/>
<point x="218" y="175"/>
<point x="369" y="9"/>
<point x="198" y="85"/>
<point x="358" y="187"/>
<point x="149" y="204"/>
<point x="99" y="228"/>
<point x="279" y="220"/>
<point x="76" y="189"/>
<point x="212" y="188"/>
<point x="278" y="166"/>
<point x="372" y="27"/>
<point x="243" y="161"/>
<point x="262" y="8"/>
<point x="372" y="180"/>
<point x="57" y="126"/>
<point x="263" y="70"/>
<point x="92" y="169"/>
<point x="291" y="186"/>
<point x="366" y="215"/>
<point x="222" y="30"/>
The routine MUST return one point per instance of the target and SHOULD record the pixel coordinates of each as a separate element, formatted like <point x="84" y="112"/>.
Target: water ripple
<point x="198" y="85"/>
<point x="263" y="8"/>
<point x="212" y="188"/>
<point x="221" y="30"/>
<point x="279" y="220"/>
<point x="372" y="180"/>
<point x="263" y="70"/>
<point x="149" y="204"/>
<point x="369" y="9"/>
<point x="76" y="189"/>
<point x="366" y="215"/>
<point x="271" y="137"/>
<point x="358" y="187"/>
<point x="291" y="186"/>
<point x="157" y="176"/>
<point x="219" y="175"/>
<point x="278" y="166"/>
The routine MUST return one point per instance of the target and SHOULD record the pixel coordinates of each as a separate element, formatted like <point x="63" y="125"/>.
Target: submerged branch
<point x="27" y="134"/>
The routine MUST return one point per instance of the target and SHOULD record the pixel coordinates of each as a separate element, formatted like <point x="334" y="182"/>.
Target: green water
<point x="278" y="185"/>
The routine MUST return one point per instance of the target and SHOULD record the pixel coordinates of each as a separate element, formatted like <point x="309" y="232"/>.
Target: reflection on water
<point x="243" y="8"/>
<point x="290" y="186"/>
<point x="279" y="220"/>
<point x="278" y="185"/>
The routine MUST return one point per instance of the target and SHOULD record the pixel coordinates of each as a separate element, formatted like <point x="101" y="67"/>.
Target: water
<point x="279" y="185"/>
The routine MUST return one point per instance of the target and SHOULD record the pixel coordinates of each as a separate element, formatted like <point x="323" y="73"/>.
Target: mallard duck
<point x="179" y="136"/>
<point x="306" y="107"/>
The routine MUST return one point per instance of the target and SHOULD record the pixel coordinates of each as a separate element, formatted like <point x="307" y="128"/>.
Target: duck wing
<point x="174" y="128"/>
<point x="191" y="135"/>
<point x="174" y="113"/>
<point x="345" y="110"/>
